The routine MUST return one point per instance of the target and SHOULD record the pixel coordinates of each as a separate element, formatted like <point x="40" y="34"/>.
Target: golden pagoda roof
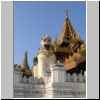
<point x="69" y="47"/>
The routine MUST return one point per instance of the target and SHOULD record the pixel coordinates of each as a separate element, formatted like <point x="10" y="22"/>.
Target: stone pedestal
<point x="58" y="73"/>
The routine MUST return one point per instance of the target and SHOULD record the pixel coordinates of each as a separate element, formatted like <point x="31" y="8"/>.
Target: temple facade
<point x="59" y="69"/>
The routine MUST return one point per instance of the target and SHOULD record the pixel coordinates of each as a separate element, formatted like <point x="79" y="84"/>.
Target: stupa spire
<point x="25" y="61"/>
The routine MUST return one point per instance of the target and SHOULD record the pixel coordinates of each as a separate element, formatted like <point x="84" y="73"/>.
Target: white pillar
<point x="80" y="77"/>
<point x="74" y="76"/>
<point x="84" y="76"/>
<point x="58" y="73"/>
<point x="69" y="77"/>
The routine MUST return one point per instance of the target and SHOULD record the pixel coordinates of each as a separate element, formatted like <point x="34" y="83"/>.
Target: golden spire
<point x="67" y="28"/>
<point x="67" y="12"/>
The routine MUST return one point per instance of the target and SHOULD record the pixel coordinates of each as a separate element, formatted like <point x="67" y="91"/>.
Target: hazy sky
<point x="32" y="20"/>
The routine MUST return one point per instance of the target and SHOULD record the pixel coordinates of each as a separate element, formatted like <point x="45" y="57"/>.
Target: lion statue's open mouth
<point x="47" y="47"/>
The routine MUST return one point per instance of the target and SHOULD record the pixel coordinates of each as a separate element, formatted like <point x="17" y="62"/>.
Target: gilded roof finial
<point x="67" y="12"/>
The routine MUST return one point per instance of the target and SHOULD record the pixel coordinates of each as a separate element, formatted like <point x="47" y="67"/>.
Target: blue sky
<point x="32" y="20"/>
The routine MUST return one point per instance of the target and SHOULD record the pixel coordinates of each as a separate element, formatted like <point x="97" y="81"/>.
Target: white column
<point x="58" y="73"/>
<point x="74" y="76"/>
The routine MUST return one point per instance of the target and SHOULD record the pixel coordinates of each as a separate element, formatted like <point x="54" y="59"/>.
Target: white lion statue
<point x="45" y="57"/>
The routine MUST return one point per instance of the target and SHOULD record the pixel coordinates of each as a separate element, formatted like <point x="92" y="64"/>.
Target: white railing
<point x="79" y="78"/>
<point x="75" y="77"/>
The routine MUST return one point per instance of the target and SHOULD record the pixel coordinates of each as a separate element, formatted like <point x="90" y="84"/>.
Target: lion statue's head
<point x="46" y="42"/>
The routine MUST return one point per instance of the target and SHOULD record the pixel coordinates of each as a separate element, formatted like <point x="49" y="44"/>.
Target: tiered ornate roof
<point x="69" y="48"/>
